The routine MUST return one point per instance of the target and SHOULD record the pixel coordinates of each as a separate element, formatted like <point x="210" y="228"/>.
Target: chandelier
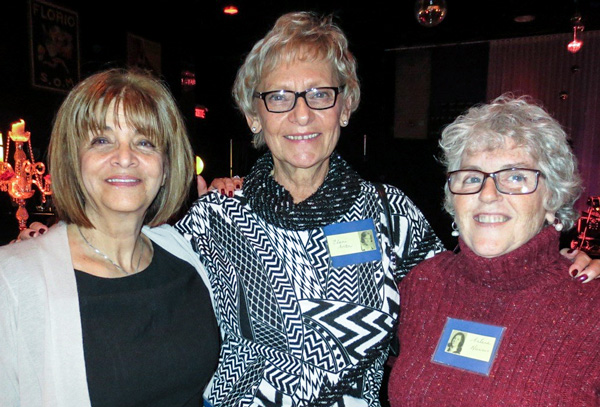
<point x="18" y="181"/>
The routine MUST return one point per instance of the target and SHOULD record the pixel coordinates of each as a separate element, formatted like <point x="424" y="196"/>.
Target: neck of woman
<point x="112" y="248"/>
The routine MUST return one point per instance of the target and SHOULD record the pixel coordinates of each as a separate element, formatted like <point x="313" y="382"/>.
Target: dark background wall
<point x="455" y="78"/>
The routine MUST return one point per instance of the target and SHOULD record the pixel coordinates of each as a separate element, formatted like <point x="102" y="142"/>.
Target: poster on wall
<point x="143" y="53"/>
<point x="54" y="39"/>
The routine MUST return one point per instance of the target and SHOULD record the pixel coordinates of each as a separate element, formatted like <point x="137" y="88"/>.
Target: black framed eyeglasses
<point x="281" y="101"/>
<point x="510" y="181"/>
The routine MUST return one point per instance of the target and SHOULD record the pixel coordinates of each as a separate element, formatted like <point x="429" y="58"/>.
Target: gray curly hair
<point x="297" y="35"/>
<point x="487" y="127"/>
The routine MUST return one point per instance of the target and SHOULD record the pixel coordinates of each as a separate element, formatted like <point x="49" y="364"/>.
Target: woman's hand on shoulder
<point x="226" y="186"/>
<point x="584" y="269"/>
<point x="34" y="230"/>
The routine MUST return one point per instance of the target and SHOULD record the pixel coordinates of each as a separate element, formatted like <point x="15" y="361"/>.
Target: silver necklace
<point x="108" y="258"/>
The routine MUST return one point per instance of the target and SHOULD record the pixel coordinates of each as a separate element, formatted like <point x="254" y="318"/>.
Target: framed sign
<point x="54" y="42"/>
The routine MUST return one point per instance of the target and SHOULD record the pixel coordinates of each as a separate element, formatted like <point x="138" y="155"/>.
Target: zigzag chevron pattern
<point x="317" y="255"/>
<point x="268" y="396"/>
<point x="291" y="322"/>
<point x="357" y="330"/>
<point x="292" y="253"/>
<point x="322" y="350"/>
<point x="236" y="366"/>
<point x="343" y="285"/>
<point x="310" y="386"/>
<point x="285" y="383"/>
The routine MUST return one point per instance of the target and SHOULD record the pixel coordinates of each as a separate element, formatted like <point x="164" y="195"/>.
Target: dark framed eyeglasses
<point x="510" y="181"/>
<point x="281" y="101"/>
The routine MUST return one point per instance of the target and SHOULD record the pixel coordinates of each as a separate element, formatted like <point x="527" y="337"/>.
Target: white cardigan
<point x="41" y="346"/>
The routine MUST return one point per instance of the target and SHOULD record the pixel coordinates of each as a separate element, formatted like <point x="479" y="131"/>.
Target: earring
<point x="253" y="129"/>
<point x="558" y="224"/>
<point x="344" y="123"/>
<point x="455" y="231"/>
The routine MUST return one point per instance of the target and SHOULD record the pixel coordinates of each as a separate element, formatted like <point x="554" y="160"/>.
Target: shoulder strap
<point x="386" y="209"/>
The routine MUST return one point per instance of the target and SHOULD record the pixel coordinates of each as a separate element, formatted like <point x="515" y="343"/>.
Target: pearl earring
<point x="345" y="123"/>
<point x="455" y="231"/>
<point x="558" y="224"/>
<point x="253" y="129"/>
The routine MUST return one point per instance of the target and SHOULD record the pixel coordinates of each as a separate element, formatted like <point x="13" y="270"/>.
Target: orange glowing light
<point x="231" y="10"/>
<point x="18" y="127"/>
<point x="18" y="133"/>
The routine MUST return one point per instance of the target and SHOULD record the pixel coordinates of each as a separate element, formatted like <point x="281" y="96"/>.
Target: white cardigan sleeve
<point x="9" y="390"/>
<point x="41" y="345"/>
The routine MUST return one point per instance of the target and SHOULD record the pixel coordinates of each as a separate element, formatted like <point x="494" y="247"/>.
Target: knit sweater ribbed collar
<point x="517" y="270"/>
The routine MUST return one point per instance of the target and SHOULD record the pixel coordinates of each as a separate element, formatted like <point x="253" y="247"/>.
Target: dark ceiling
<point x="392" y="24"/>
<point x="200" y="29"/>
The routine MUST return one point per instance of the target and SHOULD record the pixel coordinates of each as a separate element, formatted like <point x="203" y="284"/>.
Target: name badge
<point x="468" y="345"/>
<point x="352" y="242"/>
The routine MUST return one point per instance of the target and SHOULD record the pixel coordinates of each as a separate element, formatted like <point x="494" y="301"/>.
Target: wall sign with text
<point x="54" y="39"/>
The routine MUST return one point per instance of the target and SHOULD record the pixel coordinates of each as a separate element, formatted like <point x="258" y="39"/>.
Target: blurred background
<point x="421" y="63"/>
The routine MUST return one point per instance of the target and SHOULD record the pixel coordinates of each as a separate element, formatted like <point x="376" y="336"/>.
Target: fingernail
<point x="582" y="278"/>
<point x="574" y="272"/>
<point x="570" y="251"/>
<point x="230" y="194"/>
<point x="222" y="192"/>
<point x="42" y="231"/>
<point x="237" y="187"/>
<point x="31" y="233"/>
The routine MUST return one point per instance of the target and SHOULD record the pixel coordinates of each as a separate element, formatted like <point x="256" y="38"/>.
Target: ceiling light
<point x="575" y="45"/>
<point x="525" y="18"/>
<point x="230" y="10"/>
<point x="430" y="13"/>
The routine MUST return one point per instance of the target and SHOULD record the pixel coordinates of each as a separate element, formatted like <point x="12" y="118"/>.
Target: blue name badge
<point x="352" y="242"/>
<point x="468" y="345"/>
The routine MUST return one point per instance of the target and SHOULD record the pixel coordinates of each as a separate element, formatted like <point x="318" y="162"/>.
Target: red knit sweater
<point x="550" y="351"/>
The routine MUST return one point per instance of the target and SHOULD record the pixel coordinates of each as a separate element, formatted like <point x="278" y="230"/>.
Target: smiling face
<point x="303" y="138"/>
<point x="491" y="223"/>
<point x="122" y="171"/>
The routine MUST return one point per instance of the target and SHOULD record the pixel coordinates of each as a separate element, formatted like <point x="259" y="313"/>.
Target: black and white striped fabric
<point x="292" y="324"/>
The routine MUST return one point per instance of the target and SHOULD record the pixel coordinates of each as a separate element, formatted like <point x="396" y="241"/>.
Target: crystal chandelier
<point x="19" y="180"/>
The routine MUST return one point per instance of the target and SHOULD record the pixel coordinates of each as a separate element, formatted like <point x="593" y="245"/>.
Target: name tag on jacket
<point x="352" y="242"/>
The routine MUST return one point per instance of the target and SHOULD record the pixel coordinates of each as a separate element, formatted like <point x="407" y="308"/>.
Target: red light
<point x="574" y="46"/>
<point x="188" y="79"/>
<point x="231" y="10"/>
<point x="200" y="112"/>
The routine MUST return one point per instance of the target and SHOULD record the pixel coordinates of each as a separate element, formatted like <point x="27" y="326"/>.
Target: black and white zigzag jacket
<point x="291" y="322"/>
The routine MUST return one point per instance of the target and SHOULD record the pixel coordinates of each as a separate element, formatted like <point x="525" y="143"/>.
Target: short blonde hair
<point x="148" y="106"/>
<point x="296" y="36"/>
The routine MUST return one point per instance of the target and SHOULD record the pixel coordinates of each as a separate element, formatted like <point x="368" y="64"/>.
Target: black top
<point x="149" y="339"/>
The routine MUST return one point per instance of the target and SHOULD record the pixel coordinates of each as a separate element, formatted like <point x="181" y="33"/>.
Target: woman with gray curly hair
<point x="531" y="336"/>
<point x="530" y="127"/>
